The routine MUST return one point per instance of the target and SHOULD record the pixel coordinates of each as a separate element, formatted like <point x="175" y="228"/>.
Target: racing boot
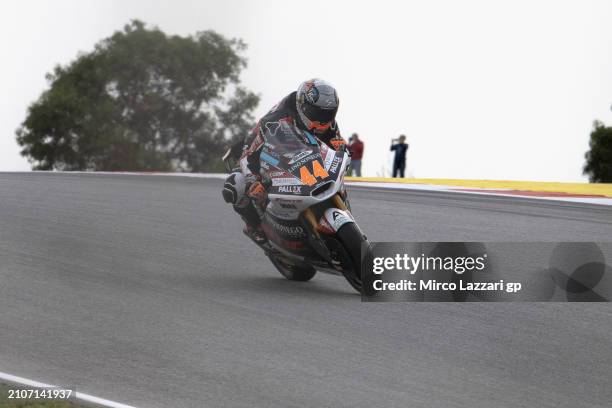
<point x="255" y="233"/>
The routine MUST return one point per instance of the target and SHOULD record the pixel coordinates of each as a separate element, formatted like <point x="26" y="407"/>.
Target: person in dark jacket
<point x="356" y="149"/>
<point x="312" y="108"/>
<point x="399" y="161"/>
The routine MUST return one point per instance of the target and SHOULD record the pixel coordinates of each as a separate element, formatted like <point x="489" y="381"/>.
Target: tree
<point x="599" y="158"/>
<point x="141" y="100"/>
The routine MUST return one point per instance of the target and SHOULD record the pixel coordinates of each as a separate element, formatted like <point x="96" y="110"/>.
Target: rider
<point x="312" y="108"/>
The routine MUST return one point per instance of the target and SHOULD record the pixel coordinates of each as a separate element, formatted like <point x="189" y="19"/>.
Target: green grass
<point x="5" y="402"/>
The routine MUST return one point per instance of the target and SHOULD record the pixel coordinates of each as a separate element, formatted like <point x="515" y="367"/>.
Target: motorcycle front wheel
<point x="351" y="238"/>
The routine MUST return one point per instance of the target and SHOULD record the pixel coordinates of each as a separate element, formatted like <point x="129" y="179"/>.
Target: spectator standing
<point x="356" y="149"/>
<point x="399" y="161"/>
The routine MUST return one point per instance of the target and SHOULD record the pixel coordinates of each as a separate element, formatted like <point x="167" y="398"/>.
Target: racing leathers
<point x="244" y="186"/>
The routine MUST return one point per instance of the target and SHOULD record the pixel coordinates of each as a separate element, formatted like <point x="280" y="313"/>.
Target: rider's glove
<point x="338" y="143"/>
<point x="256" y="191"/>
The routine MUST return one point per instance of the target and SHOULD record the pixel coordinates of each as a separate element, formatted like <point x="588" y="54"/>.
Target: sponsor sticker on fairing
<point x="334" y="166"/>
<point x="299" y="163"/>
<point x="289" y="230"/>
<point x="337" y="218"/>
<point x="279" y="174"/>
<point x="299" y="156"/>
<point x="285" y="181"/>
<point x="290" y="189"/>
<point x="329" y="158"/>
<point x="288" y="200"/>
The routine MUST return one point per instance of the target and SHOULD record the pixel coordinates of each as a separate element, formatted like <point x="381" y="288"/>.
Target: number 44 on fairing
<point x="318" y="171"/>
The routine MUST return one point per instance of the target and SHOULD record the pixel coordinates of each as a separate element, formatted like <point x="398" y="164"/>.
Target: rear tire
<point x="301" y="273"/>
<point x="352" y="238"/>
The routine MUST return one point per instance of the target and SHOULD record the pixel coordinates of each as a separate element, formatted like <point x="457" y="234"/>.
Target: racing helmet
<point x="317" y="103"/>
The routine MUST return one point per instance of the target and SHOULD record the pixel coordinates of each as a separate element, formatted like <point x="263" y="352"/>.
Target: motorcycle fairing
<point x="287" y="234"/>
<point x="295" y="163"/>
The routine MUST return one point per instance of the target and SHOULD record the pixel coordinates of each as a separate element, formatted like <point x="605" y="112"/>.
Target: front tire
<point x="352" y="239"/>
<point x="300" y="273"/>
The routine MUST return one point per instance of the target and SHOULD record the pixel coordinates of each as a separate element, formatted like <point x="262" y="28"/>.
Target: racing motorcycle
<point x="307" y="218"/>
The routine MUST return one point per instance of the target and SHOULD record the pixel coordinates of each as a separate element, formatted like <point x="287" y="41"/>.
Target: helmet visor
<point x="316" y="114"/>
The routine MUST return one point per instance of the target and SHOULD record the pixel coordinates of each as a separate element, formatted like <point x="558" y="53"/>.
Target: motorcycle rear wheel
<point x="301" y="273"/>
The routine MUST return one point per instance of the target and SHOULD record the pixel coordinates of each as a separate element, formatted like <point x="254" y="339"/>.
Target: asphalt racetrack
<point x="143" y="290"/>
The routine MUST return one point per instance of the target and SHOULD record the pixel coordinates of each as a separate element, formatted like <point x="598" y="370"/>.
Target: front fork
<point x="312" y="220"/>
<point x="314" y="227"/>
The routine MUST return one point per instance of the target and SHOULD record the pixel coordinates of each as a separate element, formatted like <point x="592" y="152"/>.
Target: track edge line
<point x="78" y="395"/>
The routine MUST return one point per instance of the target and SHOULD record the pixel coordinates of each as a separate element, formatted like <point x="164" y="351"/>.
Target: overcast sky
<point x="482" y="89"/>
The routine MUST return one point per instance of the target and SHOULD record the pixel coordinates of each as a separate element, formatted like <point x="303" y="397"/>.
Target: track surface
<point x="143" y="290"/>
